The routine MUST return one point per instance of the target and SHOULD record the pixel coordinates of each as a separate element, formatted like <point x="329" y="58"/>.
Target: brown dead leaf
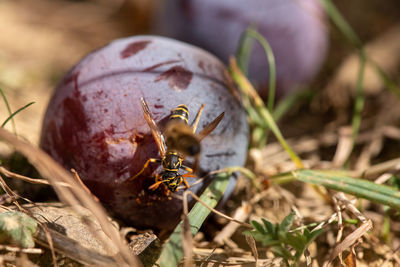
<point x="350" y="239"/>
<point x="350" y="260"/>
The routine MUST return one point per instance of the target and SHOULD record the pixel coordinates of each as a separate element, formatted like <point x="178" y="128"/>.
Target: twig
<point x="11" y="193"/>
<point x="79" y="180"/>
<point x="187" y="238"/>
<point x="23" y="250"/>
<point x="214" y="210"/>
<point x="241" y="214"/>
<point x="10" y="174"/>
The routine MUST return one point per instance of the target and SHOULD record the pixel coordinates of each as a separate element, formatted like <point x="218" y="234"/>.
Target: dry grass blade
<point x="344" y="147"/>
<point x="73" y="196"/>
<point x="252" y="243"/>
<point x="378" y="169"/>
<point x="187" y="243"/>
<point x="350" y="239"/>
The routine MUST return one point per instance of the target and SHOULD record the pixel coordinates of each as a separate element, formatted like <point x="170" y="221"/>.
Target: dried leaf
<point x="350" y="260"/>
<point x="351" y="239"/>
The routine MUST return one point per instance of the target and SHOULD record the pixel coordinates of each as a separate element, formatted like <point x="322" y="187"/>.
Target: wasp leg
<point x="144" y="167"/>
<point x="189" y="171"/>
<point x="197" y="119"/>
<point x="159" y="181"/>
<point x="185" y="182"/>
<point x="188" y="174"/>
<point x="155" y="185"/>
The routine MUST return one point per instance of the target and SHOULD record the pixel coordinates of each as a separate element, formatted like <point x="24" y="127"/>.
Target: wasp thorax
<point x="172" y="180"/>
<point x="180" y="137"/>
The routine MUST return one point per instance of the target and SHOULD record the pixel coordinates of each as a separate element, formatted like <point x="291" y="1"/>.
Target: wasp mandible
<point x="179" y="140"/>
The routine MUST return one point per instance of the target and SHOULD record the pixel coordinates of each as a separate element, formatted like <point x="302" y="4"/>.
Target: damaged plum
<point x="94" y="122"/>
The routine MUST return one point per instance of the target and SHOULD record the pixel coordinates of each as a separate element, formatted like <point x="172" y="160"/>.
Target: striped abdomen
<point x="180" y="114"/>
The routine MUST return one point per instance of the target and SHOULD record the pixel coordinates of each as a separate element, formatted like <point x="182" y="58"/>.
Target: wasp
<point x="178" y="140"/>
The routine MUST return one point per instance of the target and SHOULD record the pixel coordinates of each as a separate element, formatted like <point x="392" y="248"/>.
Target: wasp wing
<point x="210" y="127"/>
<point x="158" y="137"/>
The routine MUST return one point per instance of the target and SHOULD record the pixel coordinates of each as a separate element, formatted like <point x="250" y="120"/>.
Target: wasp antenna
<point x="197" y="119"/>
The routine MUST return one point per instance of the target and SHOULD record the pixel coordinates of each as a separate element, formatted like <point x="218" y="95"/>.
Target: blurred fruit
<point x="94" y="122"/>
<point x="295" y="30"/>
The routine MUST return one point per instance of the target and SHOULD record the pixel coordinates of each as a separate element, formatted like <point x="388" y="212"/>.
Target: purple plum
<point x="94" y="122"/>
<point x="295" y="29"/>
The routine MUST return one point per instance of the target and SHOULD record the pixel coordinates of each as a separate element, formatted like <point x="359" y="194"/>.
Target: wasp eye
<point x="194" y="149"/>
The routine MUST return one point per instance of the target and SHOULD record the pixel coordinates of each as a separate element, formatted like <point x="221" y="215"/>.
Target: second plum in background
<point x="295" y="29"/>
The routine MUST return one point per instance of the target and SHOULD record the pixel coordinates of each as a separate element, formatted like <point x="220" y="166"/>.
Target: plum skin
<point x="94" y="121"/>
<point x="296" y="31"/>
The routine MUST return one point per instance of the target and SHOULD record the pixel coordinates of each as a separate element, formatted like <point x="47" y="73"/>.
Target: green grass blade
<point x="288" y="102"/>
<point x="341" y="23"/>
<point x="358" y="187"/>
<point x="248" y="91"/>
<point x="9" y="111"/>
<point x="243" y="52"/>
<point x="250" y="32"/>
<point x="349" y="33"/>
<point x="172" y="252"/>
<point x="15" y="113"/>
<point x="390" y="85"/>
<point x="360" y="99"/>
